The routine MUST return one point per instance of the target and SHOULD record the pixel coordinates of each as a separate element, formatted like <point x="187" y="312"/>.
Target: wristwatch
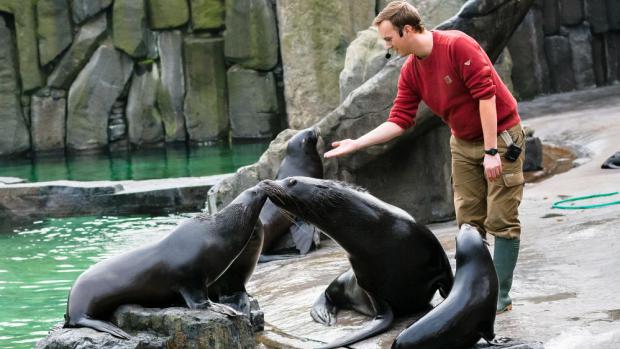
<point x="491" y="151"/>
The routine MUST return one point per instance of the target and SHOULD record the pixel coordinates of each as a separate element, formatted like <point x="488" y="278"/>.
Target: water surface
<point x="39" y="264"/>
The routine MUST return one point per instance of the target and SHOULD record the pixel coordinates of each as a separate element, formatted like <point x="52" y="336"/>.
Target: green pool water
<point x="39" y="264"/>
<point x="169" y="162"/>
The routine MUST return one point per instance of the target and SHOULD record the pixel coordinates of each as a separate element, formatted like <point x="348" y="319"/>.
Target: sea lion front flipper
<point x="303" y="234"/>
<point x="324" y="311"/>
<point x="239" y="301"/>
<point x="382" y="321"/>
<point x="103" y="326"/>
<point x="196" y="299"/>
<point x="223" y="309"/>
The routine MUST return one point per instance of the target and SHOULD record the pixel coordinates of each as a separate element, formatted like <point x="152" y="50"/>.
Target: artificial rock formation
<point x="530" y="74"/>
<point x="92" y="95"/>
<point x="48" y="113"/>
<point x="53" y="28"/>
<point x="23" y="12"/>
<point x="85" y="43"/>
<point x="167" y="14"/>
<point x="171" y="89"/>
<point x="314" y="36"/>
<point x="13" y="133"/>
<point x="251" y="37"/>
<point x="206" y="113"/>
<point x="85" y="9"/>
<point x="253" y="110"/>
<point x="130" y="30"/>
<point x="207" y="14"/>
<point x="143" y="119"/>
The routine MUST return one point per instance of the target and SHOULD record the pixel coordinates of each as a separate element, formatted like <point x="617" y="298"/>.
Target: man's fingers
<point x="336" y="144"/>
<point x="332" y="153"/>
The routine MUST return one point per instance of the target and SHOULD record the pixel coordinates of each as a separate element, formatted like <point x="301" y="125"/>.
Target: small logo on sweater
<point x="468" y="62"/>
<point x="447" y="79"/>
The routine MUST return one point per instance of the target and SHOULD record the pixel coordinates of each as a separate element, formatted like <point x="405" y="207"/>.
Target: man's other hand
<point x="492" y="166"/>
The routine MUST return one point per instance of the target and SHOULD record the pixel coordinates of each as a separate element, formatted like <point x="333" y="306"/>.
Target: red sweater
<point x="451" y="81"/>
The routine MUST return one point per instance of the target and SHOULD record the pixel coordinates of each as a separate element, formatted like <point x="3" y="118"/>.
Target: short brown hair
<point x="400" y="13"/>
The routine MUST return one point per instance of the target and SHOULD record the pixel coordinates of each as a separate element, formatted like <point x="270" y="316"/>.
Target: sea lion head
<point x="469" y="243"/>
<point x="312" y="199"/>
<point x="304" y="143"/>
<point x="245" y="207"/>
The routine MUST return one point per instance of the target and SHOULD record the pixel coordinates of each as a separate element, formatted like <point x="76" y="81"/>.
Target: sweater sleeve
<point x="474" y="67"/>
<point x="407" y="100"/>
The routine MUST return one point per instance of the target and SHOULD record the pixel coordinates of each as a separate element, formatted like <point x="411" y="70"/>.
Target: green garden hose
<point x="559" y="203"/>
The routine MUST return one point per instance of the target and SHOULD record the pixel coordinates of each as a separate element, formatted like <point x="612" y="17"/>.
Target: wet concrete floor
<point x="567" y="282"/>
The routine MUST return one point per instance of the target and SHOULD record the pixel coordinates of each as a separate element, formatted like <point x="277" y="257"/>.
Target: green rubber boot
<point x="505" y="258"/>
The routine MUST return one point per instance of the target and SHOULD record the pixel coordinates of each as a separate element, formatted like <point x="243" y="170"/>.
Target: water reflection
<point x="169" y="162"/>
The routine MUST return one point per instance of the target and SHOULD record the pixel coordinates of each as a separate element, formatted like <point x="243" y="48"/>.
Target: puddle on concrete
<point x="551" y="297"/>
<point x="556" y="160"/>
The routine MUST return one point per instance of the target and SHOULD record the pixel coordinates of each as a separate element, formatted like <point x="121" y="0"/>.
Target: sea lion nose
<point x="291" y="182"/>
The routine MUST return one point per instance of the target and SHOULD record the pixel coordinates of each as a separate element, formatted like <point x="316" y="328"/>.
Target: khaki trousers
<point x="493" y="207"/>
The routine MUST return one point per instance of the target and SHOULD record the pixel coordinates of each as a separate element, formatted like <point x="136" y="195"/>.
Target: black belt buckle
<point x="512" y="152"/>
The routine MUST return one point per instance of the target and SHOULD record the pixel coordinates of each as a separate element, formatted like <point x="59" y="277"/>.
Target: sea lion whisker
<point x="289" y="216"/>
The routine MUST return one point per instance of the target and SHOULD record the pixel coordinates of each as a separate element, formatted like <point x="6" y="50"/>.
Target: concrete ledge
<point x="22" y="203"/>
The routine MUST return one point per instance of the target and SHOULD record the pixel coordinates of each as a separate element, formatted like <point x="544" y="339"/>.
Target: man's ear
<point x="406" y="29"/>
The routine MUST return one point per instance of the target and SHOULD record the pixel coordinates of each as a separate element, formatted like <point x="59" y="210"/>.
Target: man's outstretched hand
<point x="343" y="147"/>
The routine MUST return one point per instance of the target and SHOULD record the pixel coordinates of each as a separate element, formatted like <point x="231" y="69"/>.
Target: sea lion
<point x="302" y="159"/>
<point x="613" y="162"/>
<point x="174" y="271"/>
<point x="396" y="264"/>
<point x="468" y="313"/>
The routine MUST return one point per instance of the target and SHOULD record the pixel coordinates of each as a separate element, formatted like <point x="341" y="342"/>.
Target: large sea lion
<point x="174" y="271"/>
<point x="396" y="264"/>
<point x="468" y="313"/>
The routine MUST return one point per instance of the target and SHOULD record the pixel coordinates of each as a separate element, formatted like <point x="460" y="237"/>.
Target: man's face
<point x="391" y="38"/>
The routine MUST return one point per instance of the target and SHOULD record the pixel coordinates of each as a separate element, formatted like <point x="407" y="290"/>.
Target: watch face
<point x="491" y="151"/>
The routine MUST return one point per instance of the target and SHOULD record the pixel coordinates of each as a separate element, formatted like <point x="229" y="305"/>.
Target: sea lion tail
<point x="378" y="325"/>
<point x="103" y="326"/>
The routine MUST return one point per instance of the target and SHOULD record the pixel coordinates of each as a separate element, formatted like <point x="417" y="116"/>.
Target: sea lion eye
<point x="292" y="181"/>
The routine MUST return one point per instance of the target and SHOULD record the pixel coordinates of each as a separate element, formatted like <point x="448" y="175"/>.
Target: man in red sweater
<point x="452" y="74"/>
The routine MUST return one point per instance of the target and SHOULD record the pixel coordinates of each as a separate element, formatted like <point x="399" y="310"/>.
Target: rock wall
<point x="103" y="75"/>
<point x="243" y="69"/>
<point x="565" y="45"/>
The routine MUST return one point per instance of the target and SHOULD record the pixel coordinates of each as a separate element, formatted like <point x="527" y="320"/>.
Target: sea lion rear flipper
<point x="103" y="326"/>
<point x="324" y="311"/>
<point x="382" y="321"/>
